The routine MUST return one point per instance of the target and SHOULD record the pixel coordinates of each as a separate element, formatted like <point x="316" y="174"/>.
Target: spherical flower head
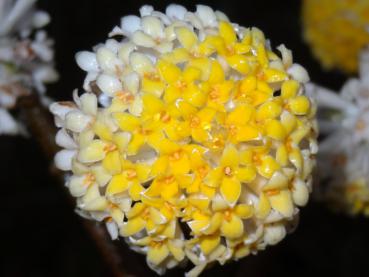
<point x="344" y="150"/>
<point x="193" y="141"/>
<point x="26" y="57"/>
<point x="336" y="30"/>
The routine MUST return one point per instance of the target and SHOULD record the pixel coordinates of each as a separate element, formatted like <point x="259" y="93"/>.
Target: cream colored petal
<point x="77" y="185"/>
<point x="89" y="103"/>
<point x="141" y="63"/>
<point x="64" y="140"/>
<point x="131" y="82"/>
<point x="274" y="233"/>
<point x="142" y="39"/>
<point x="109" y="84"/>
<point x="93" y="152"/>
<point x="108" y="61"/>
<point x="77" y="121"/>
<point x="125" y="50"/>
<point x="153" y="26"/>
<point x="300" y="193"/>
<point x="63" y="159"/>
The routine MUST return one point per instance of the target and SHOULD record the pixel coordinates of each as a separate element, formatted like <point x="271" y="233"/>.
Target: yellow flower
<point x="336" y="31"/>
<point x="142" y="131"/>
<point x="203" y="137"/>
<point x="181" y="84"/>
<point x="160" y="250"/>
<point x="229" y="175"/>
<point x="130" y="178"/>
<point x="226" y="220"/>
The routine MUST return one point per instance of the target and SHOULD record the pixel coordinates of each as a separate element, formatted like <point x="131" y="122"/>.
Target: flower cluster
<point x="344" y="151"/>
<point x="193" y="141"/>
<point x="336" y="30"/>
<point x="26" y="57"/>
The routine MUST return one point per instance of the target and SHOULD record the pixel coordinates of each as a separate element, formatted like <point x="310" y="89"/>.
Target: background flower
<point x="26" y="57"/>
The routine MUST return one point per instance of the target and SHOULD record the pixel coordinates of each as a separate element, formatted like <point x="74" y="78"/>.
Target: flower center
<point x="228" y="171"/>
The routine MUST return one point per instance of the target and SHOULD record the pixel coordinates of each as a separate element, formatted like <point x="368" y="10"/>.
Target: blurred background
<point x="40" y="234"/>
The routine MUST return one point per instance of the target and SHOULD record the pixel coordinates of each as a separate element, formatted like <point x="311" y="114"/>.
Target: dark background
<point x="41" y="236"/>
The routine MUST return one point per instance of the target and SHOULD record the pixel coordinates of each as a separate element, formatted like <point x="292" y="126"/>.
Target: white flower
<point x="26" y="54"/>
<point x="344" y="150"/>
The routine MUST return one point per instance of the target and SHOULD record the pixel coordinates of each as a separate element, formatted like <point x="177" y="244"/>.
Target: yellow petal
<point x="169" y="72"/>
<point x="111" y="162"/>
<point x="244" y="211"/>
<point x="169" y="190"/>
<point x="126" y="122"/>
<point x="268" y="166"/>
<point x="216" y="73"/>
<point x="181" y="166"/>
<point x="143" y="172"/>
<point x="232" y="228"/>
<point x="152" y="105"/>
<point x="246" y="133"/>
<point x="296" y="158"/>
<point x="241" y="252"/>
<point x="246" y="174"/>
<point x="248" y="84"/>
<point x="214" y="225"/>
<point x="135" y="190"/>
<point x="289" y="89"/>
<point x="153" y="86"/>
<point x="275" y="129"/>
<point x="239" y="63"/>
<point x="282" y="202"/>
<point x="230" y="157"/>
<point x="272" y="75"/>
<point x="121" y="140"/>
<point x="227" y="32"/>
<point x="263" y="207"/>
<point x="132" y="226"/>
<point x="157" y="254"/>
<point x="192" y="73"/>
<point x="157" y="217"/>
<point x="261" y="55"/>
<point x="278" y="181"/>
<point x="214" y="176"/>
<point x="299" y="105"/>
<point x="282" y="155"/>
<point x="241" y="115"/>
<point x="194" y="96"/>
<point x="117" y="184"/>
<point x="270" y="109"/>
<point x="135" y="144"/>
<point x="172" y="93"/>
<point x="136" y="210"/>
<point x="176" y="249"/>
<point x="209" y="243"/>
<point x="230" y="189"/>
<point x="102" y="131"/>
<point x="197" y="226"/>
